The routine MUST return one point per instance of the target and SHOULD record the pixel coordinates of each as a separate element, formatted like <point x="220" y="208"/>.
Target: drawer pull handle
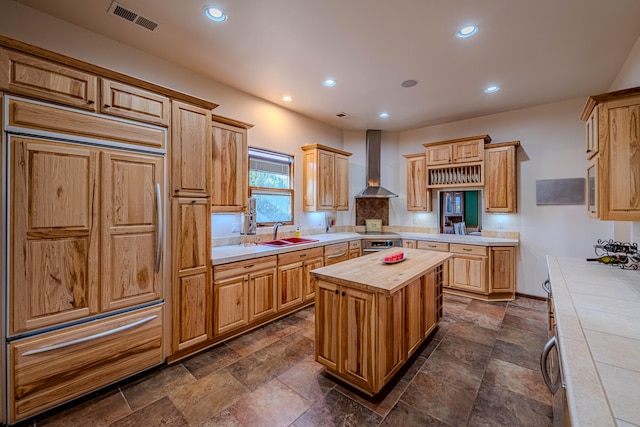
<point x="249" y="266"/>
<point x="303" y="255"/>
<point x="90" y="337"/>
<point x="466" y="249"/>
<point x="336" y="255"/>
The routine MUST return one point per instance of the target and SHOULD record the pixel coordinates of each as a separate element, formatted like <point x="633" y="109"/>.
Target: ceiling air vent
<point x="128" y="14"/>
<point x="343" y="115"/>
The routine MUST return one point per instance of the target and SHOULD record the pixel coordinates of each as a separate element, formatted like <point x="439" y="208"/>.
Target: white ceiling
<point x="537" y="51"/>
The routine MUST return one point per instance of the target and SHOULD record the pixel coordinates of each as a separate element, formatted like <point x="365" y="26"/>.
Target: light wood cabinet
<point x="131" y="102"/>
<point x="234" y="283"/>
<point x="77" y="252"/>
<point x="336" y="253"/>
<point x="309" y="282"/>
<point x="500" y="177"/>
<point x="408" y="243"/>
<point x="355" y="249"/>
<point x="295" y="283"/>
<point x="591" y="127"/>
<point x="47" y="80"/>
<point x="432" y="246"/>
<point x="325" y="178"/>
<point x="230" y="170"/>
<point x="616" y="186"/>
<point x="418" y="195"/>
<point x="456" y="163"/>
<point x="192" y="291"/>
<point x="502" y="274"/>
<point x="190" y="150"/>
<point x="414" y="307"/>
<point x="468" y="268"/>
<point x="55" y="367"/>
<point x="345" y="324"/>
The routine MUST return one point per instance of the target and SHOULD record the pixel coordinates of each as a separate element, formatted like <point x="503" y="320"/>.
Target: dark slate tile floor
<point x="479" y="368"/>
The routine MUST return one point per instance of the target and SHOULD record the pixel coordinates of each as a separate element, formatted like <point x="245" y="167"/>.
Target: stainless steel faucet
<point x="275" y="230"/>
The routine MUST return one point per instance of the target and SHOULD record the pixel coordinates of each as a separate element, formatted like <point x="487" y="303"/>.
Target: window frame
<point x="275" y="191"/>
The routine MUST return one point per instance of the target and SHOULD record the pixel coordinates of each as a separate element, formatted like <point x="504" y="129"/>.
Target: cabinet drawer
<point x="355" y="244"/>
<point x="336" y="249"/>
<point x="433" y="246"/>
<point x="302" y="255"/>
<point x="468" y="249"/>
<point x="53" y="368"/>
<point x="233" y="269"/>
<point x="133" y="103"/>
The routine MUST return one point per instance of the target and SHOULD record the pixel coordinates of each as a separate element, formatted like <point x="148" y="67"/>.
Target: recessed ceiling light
<point x="215" y="14"/>
<point x="384" y="115"/>
<point x="491" y="89"/>
<point x="329" y="82"/>
<point x="409" y="83"/>
<point x="287" y="98"/>
<point x="467" y="31"/>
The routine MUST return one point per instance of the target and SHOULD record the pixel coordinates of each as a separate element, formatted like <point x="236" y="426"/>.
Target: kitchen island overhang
<point x="371" y="316"/>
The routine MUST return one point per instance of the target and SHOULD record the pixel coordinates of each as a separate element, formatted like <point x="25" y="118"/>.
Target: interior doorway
<point x="460" y="212"/>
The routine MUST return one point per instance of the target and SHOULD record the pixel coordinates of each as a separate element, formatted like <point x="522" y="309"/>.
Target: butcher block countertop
<point x="369" y="273"/>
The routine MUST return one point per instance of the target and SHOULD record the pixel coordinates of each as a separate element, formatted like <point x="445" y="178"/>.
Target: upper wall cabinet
<point x="500" y="177"/>
<point x="190" y="150"/>
<point x="230" y="170"/>
<point x="130" y="102"/>
<point x="325" y="179"/>
<point x="31" y="76"/>
<point x="456" y="162"/>
<point x="613" y="173"/>
<point x="418" y="196"/>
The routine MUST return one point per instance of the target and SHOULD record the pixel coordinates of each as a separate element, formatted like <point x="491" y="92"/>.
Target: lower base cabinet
<point x="55" y="367"/>
<point x="364" y="338"/>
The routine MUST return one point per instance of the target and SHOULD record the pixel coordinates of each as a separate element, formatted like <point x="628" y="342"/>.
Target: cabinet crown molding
<point x="486" y="138"/>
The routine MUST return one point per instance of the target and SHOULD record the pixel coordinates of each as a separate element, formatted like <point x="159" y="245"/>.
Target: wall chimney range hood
<point x="373" y="189"/>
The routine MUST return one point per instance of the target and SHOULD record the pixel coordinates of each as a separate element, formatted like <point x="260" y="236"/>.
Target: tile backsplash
<point x="372" y="209"/>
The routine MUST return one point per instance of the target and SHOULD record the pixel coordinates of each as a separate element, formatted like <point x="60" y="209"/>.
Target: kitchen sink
<point x="287" y="241"/>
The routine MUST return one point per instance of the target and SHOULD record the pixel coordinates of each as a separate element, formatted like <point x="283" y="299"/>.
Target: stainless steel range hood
<point x="374" y="190"/>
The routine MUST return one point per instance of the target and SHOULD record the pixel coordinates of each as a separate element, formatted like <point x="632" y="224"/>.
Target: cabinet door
<point x="500" y="180"/>
<point x="54" y="226"/>
<point x="469" y="273"/>
<point x="592" y="187"/>
<point x="290" y="278"/>
<point x="326" y="174"/>
<point x="391" y="325"/>
<point x="131" y="247"/>
<point x="328" y="336"/>
<point x="130" y="102"/>
<point x="230" y="156"/>
<point x="592" y="133"/>
<point x="42" y="79"/>
<point x="190" y="150"/>
<point x="356" y="329"/>
<point x="230" y="301"/>
<point x="262" y="294"/>
<point x="418" y="196"/>
<point x="341" y="182"/>
<point x="413" y="303"/>
<point x="621" y="161"/>
<point x="192" y="303"/>
<point x="468" y="151"/>
<point x="438" y="155"/>
<point x="309" y="283"/>
<point x="406" y="243"/>
<point x="430" y="302"/>
<point x="502" y="271"/>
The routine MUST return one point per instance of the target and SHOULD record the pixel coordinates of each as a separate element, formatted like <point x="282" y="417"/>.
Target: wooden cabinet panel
<point x="336" y="253"/>
<point x="500" y="179"/>
<point x="290" y="279"/>
<point x="438" y="155"/>
<point x="327" y="312"/>
<point x="355" y="249"/>
<point x="130" y="102"/>
<point x="132" y="204"/>
<point x="592" y="133"/>
<point x="325" y="178"/>
<point x="55" y="233"/>
<point x="230" y="170"/>
<point x="231" y="308"/>
<point x="413" y="305"/>
<point x="42" y="79"/>
<point x="432" y="246"/>
<point x="357" y="328"/>
<point x="418" y="195"/>
<point x="191" y="220"/>
<point x="193" y="324"/>
<point x="341" y="183"/>
<point x="408" y="243"/>
<point x="468" y="151"/>
<point x="431" y="304"/>
<point x="391" y="351"/>
<point x="468" y="273"/>
<point x="190" y="150"/>
<point x="502" y="272"/>
<point x="458" y="248"/>
<point x="309" y="283"/>
<point x="56" y="367"/>
<point x="262" y="294"/>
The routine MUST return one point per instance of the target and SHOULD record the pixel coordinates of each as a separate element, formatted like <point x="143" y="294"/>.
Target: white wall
<point x="552" y="146"/>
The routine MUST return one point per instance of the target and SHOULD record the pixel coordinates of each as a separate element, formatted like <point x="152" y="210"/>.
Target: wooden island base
<point x="370" y="316"/>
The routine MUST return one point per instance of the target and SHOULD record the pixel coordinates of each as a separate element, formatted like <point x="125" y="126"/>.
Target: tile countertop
<point x="232" y="253"/>
<point x="597" y="309"/>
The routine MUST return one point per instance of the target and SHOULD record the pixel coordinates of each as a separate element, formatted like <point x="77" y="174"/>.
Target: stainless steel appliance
<point x="379" y="241"/>
<point x="249" y="218"/>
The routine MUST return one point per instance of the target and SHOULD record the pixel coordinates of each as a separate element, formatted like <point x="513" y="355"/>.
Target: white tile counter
<point x="232" y="253"/>
<point x="597" y="309"/>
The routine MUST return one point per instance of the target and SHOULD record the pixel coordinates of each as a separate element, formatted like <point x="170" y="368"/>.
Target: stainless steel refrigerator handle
<point x="160" y="228"/>
<point x="543" y="365"/>
<point x="90" y="337"/>
<point x="546" y="286"/>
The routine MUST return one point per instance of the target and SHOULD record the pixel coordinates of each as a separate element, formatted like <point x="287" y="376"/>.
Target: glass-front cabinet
<point x="592" y="188"/>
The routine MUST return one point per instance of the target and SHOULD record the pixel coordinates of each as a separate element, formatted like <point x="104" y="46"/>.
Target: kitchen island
<point x="371" y="316"/>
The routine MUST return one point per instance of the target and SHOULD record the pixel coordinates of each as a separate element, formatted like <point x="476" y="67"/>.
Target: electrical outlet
<point x="500" y="224"/>
<point x="415" y="220"/>
<point x="235" y="227"/>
